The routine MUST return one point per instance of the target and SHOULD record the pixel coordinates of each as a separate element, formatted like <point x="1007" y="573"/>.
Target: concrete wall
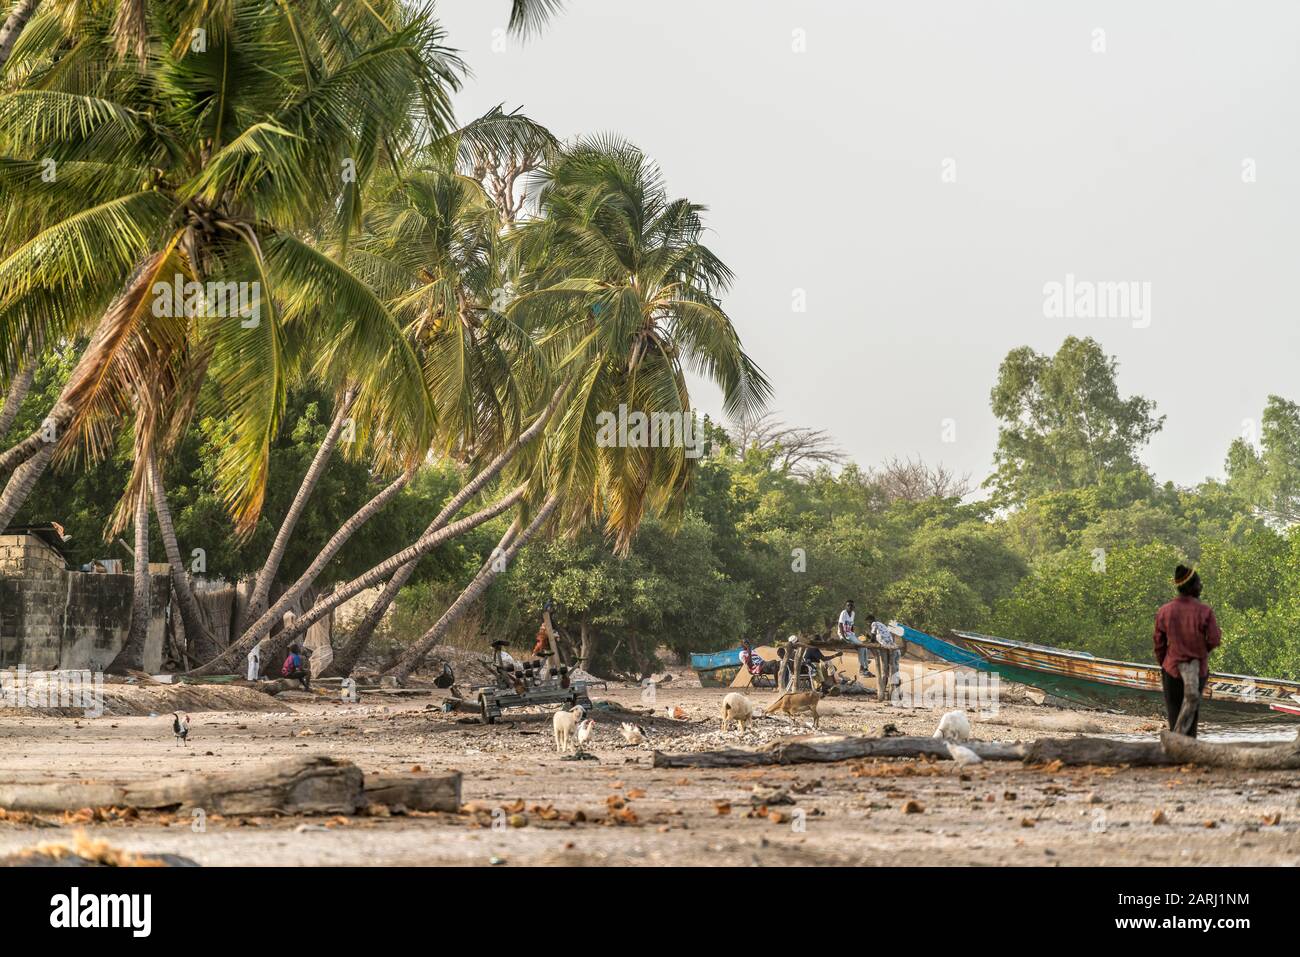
<point x="51" y="617"/>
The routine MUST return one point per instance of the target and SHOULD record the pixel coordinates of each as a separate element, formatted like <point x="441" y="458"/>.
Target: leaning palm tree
<point x="621" y="289"/>
<point x="619" y="292"/>
<point x="432" y="247"/>
<point x="189" y="165"/>
<point x="623" y="296"/>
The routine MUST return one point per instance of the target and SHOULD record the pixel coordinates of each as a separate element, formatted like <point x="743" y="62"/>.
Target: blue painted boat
<point x="716" y="669"/>
<point x="1083" y="678"/>
<point x="945" y="650"/>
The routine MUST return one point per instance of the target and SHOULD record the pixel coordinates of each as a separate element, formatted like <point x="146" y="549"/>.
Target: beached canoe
<point x="1110" y="683"/>
<point x="1099" y="682"/>
<point x="716" y="669"/>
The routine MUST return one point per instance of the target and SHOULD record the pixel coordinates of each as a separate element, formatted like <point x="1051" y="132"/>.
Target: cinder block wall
<point x="51" y="617"/>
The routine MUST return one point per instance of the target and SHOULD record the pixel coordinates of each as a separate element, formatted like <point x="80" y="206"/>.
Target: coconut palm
<point x="209" y="161"/>
<point x="622" y="295"/>
<point x="622" y="290"/>
<point x="13" y="25"/>
<point x="432" y="247"/>
<point x="619" y="292"/>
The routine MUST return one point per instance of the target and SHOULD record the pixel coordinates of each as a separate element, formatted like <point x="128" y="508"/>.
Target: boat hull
<point x="716" y="669"/>
<point x="1110" y="683"/>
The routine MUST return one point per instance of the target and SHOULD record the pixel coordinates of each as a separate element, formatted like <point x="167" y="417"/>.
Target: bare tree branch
<point x="797" y="450"/>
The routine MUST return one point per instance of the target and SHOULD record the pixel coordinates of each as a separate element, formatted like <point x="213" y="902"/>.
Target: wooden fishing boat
<point x="716" y="669"/>
<point x="1291" y="709"/>
<point x="1101" y="682"/>
<point x="1110" y="683"/>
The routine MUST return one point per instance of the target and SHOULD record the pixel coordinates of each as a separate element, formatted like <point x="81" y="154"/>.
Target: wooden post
<point x="796" y="667"/>
<point x="552" y="634"/>
<point x="881" y="657"/>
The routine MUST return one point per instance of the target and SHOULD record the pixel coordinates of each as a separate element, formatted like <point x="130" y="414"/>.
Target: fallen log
<point x="415" y="791"/>
<point x="1083" y="750"/>
<point x="815" y="748"/>
<point x="308" y="785"/>
<point x="1171" y="749"/>
<point x="1252" y="757"/>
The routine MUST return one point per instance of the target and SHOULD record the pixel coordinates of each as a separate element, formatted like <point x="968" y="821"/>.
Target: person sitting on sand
<point x="294" y="667"/>
<point x="1185" y="634"/>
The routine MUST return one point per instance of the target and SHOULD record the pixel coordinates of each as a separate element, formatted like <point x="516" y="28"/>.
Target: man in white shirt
<point x="847" y="619"/>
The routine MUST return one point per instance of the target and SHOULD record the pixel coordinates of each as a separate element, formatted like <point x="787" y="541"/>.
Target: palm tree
<point x="207" y="162"/>
<point x="432" y="247"/>
<point x="621" y="293"/>
<point x="622" y="290"/>
<point x="13" y="26"/>
<point x="529" y="16"/>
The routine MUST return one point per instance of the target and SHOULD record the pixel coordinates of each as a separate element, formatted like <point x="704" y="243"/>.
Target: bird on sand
<point x="181" y="726"/>
<point x="962" y="755"/>
<point x="633" y="734"/>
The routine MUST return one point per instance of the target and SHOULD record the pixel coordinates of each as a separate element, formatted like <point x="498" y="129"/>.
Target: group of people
<point x="1185" y="633"/>
<point x="879" y="633"/>
<point x="815" y="661"/>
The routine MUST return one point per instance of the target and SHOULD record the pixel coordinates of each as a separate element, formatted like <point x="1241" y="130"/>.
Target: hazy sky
<point x="823" y="171"/>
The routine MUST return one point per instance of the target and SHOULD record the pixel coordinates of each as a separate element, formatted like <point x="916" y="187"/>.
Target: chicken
<point x="181" y="726"/>
<point x="633" y="734"/>
<point x="953" y="726"/>
<point x="963" y="755"/>
<point x="585" y="731"/>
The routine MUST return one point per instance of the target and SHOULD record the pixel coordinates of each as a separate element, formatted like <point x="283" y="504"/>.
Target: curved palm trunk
<point x="21" y="483"/>
<point x="132" y="653"/>
<point x="375" y="614"/>
<point x="18" y="390"/>
<point x="198" y="632"/>
<point x="351" y="653"/>
<point x="497" y="562"/>
<point x="30" y="447"/>
<point x="346" y="659"/>
<point x="33" y="453"/>
<point x="336" y="542"/>
<point x="355" y="587"/>
<point x="257" y="602"/>
<point x="13" y="25"/>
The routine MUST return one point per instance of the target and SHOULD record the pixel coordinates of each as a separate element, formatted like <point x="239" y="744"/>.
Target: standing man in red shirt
<point x="1185" y="634"/>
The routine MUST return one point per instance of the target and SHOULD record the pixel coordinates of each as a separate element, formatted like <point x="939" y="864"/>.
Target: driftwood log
<point x="1170" y="749"/>
<point x="309" y="785"/>
<point x="415" y="791"/>
<point x="1077" y="751"/>
<point x="833" y="747"/>
<point x="1252" y="757"/>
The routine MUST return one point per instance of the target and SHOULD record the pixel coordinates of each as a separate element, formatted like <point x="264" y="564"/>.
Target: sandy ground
<point x="845" y="813"/>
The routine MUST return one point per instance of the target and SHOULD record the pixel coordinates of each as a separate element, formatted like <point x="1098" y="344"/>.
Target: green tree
<point x="1064" y="423"/>
<point x="1269" y="479"/>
